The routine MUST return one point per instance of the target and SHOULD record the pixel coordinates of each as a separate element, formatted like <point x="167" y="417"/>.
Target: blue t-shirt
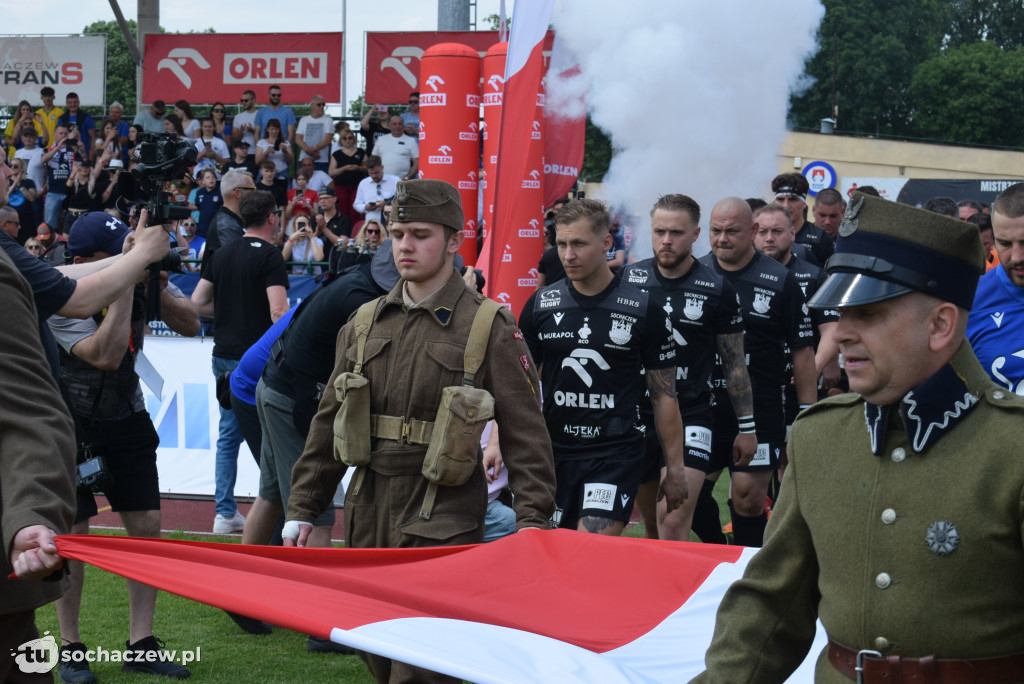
<point x="247" y="374"/>
<point x="84" y="123"/>
<point x="208" y="201"/>
<point x="284" y="115"/>
<point x="995" y="329"/>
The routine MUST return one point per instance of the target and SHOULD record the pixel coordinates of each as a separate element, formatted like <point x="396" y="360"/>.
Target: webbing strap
<point x="479" y="334"/>
<point x="362" y="323"/>
<point x="399" y="430"/>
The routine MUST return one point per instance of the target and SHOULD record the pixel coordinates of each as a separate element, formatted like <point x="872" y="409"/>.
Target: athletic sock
<point x="707" y="523"/>
<point x="748" y="531"/>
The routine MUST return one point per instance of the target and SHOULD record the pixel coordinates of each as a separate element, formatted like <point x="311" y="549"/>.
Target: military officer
<point x="900" y="520"/>
<point x="407" y="355"/>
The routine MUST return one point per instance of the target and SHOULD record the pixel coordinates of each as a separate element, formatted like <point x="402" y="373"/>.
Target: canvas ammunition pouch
<point x="452" y="439"/>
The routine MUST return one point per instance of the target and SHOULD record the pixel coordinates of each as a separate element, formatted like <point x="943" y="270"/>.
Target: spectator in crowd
<point x="53" y="249"/>
<point x="75" y="119"/>
<point x="241" y="159"/>
<point x="221" y="127"/>
<point x="134" y="137"/>
<point x="243" y="287"/>
<point x="275" y="110"/>
<point x="243" y="125"/>
<point x="339" y="129"/>
<point x="195" y="243"/>
<point x="332" y="224"/>
<point x="107" y="142"/>
<point x="828" y="211"/>
<point x="616" y="255"/>
<point x="37" y="465"/>
<point x="107" y="190"/>
<point x="398" y="152"/>
<point x="411" y="118"/>
<point x="374" y="125"/>
<point x="49" y="113"/>
<point x="172" y="125"/>
<point x="550" y="269"/>
<point x="995" y="327"/>
<point x="268" y="183"/>
<point x="35" y="169"/>
<point x="65" y="152"/>
<point x="98" y="374"/>
<point x="24" y="118"/>
<point x="9" y="221"/>
<point x="301" y="200"/>
<point x="208" y="200"/>
<point x="348" y="168"/>
<point x="942" y="205"/>
<point x="212" y="150"/>
<point x="988" y="240"/>
<point x="115" y="113"/>
<point x="189" y="121"/>
<point x="791" y="192"/>
<point x="304" y="244"/>
<point x="967" y="208"/>
<point x="273" y="146"/>
<point x="152" y="118"/>
<point x="21" y="193"/>
<point x="316" y="180"/>
<point x="226" y="225"/>
<point x="374" y="190"/>
<point x="314" y="134"/>
<point x="371" y="234"/>
<point x="81" y="191"/>
<point x="34" y="247"/>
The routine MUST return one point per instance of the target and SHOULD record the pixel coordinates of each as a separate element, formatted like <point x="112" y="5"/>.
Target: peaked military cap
<point x="885" y="249"/>
<point x="433" y="201"/>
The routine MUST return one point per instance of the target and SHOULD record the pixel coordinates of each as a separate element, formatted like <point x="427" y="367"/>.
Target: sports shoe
<point x="75" y="671"/>
<point x="250" y="625"/>
<point x="318" y="645"/>
<point x="163" y="668"/>
<point x="223" y="524"/>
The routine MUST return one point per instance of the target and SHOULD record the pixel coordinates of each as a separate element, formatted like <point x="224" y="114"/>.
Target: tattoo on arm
<point x="734" y="363"/>
<point x="594" y="524"/>
<point x="661" y="382"/>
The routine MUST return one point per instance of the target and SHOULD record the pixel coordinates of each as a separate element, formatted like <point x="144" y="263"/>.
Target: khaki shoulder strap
<point x="479" y="334"/>
<point x="363" y="322"/>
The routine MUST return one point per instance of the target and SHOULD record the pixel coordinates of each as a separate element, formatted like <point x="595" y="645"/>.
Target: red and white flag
<point x="553" y="606"/>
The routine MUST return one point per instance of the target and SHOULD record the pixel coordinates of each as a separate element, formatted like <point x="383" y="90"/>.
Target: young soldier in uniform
<point x="900" y="522"/>
<point x="773" y="310"/>
<point x="704" y="312"/>
<point x="393" y="370"/>
<point x="592" y="335"/>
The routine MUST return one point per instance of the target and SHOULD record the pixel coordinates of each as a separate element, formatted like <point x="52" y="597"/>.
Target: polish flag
<point x="537" y="606"/>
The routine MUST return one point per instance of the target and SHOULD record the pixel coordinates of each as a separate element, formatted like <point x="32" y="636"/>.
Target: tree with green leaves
<point x="971" y="94"/>
<point x="121" y="81"/>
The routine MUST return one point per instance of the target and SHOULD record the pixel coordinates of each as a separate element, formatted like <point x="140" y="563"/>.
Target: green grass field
<point x="227" y="654"/>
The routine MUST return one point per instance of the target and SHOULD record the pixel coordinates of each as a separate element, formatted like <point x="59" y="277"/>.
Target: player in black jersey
<point x="591" y="334"/>
<point x="704" y="312"/>
<point x="791" y="192"/>
<point x="774" y="315"/>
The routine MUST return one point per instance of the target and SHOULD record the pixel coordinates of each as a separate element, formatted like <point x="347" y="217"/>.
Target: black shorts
<point x="129" y="448"/>
<point x="697" y="422"/>
<point x="603" y="486"/>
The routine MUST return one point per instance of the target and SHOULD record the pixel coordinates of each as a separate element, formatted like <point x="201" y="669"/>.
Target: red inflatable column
<point x="493" y="86"/>
<point x="450" y="127"/>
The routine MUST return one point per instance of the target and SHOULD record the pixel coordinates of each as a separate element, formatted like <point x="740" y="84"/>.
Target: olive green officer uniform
<point x="901" y="527"/>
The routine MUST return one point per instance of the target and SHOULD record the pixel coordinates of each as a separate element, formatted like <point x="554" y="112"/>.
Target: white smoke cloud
<point x="693" y="94"/>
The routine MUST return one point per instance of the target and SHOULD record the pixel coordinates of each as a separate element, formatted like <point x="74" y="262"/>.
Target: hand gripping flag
<point x="537" y="606"/>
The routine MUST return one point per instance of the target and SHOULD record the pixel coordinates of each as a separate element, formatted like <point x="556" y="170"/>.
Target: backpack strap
<point x="479" y="334"/>
<point x="363" y="322"/>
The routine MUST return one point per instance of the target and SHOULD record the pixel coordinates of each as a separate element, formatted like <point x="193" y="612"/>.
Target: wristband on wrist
<point x="746" y="424"/>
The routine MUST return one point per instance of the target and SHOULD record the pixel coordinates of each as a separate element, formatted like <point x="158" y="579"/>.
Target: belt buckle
<point x="860" y="662"/>
<point x="407" y="430"/>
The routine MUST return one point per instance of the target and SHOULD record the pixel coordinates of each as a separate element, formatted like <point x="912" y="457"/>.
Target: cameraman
<point x="117" y="441"/>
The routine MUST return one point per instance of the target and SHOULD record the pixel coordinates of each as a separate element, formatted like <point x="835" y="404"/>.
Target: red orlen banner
<point x="206" y="68"/>
<point x="393" y="59"/>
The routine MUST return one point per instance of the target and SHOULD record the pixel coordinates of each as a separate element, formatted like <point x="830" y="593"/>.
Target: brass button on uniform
<point x="883" y="580"/>
<point x="998" y="394"/>
<point x="888" y="516"/>
<point x="898" y="454"/>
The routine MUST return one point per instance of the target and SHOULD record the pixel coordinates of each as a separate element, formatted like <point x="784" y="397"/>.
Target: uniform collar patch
<point x="929" y="411"/>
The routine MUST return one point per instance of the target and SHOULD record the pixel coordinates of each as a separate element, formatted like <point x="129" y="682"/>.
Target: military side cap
<point x="885" y="249"/>
<point x="97" y="231"/>
<point x="433" y="201"/>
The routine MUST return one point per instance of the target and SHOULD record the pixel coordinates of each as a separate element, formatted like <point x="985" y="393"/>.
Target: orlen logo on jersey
<point x="533" y="182"/>
<point x="469" y="228"/>
<point x="283" y="67"/>
<point x="531" y="281"/>
<point x="471" y="134"/>
<point x="468" y="184"/>
<point x="535" y="133"/>
<point x="443" y="158"/>
<point x="532" y="232"/>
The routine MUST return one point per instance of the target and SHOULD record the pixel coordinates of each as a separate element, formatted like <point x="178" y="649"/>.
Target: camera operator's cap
<point x="885" y="249"/>
<point x="97" y="231"/>
<point x="433" y="201"/>
<point x="329" y="192"/>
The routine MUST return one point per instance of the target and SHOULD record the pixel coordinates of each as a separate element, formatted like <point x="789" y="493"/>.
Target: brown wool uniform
<point x="411" y="354"/>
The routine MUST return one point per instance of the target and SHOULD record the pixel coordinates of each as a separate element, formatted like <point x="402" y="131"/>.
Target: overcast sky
<point x="250" y="16"/>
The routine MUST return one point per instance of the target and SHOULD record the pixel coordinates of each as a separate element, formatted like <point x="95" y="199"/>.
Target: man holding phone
<point x="213" y="151"/>
<point x="375" y="189"/>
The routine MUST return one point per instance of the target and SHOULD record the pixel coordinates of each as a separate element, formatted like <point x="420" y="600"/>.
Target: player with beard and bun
<point x="592" y="334"/>
<point x="773" y="316"/>
<point x="704" y="312"/>
<point x="791" y="192"/>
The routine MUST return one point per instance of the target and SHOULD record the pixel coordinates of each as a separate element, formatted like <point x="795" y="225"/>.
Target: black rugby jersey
<point x="809" y="277"/>
<point x="820" y="245"/>
<point x="591" y="350"/>
<point x="700" y="305"/>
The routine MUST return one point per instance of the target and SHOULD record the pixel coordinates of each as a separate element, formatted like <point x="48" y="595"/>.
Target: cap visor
<point x="854" y="289"/>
